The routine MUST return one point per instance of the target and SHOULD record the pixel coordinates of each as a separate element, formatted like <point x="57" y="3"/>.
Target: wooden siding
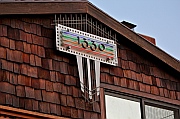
<point x="141" y="75"/>
<point x="33" y="75"/>
<point x="36" y="77"/>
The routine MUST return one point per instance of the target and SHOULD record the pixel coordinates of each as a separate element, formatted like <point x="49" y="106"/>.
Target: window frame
<point x="143" y="101"/>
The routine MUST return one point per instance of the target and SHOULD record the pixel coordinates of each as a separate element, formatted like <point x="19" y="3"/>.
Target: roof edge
<point x="10" y="8"/>
<point x="133" y="37"/>
<point x="41" y="1"/>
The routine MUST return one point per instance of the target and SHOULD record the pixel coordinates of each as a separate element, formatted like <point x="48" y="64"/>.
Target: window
<point x="128" y="107"/>
<point x="119" y="108"/>
<point x="158" y="113"/>
<point x="157" y="110"/>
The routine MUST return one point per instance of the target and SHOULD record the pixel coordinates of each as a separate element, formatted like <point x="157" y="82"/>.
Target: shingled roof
<point x="10" y="7"/>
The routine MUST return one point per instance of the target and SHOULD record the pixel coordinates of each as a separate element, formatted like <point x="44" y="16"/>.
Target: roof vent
<point x="129" y="25"/>
<point x="132" y="26"/>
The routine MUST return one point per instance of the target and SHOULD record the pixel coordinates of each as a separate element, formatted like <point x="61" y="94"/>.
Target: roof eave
<point x="10" y="8"/>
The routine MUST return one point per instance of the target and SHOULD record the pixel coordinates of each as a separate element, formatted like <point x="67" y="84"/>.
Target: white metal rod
<point x="97" y="73"/>
<point x="80" y="70"/>
<point x="89" y="78"/>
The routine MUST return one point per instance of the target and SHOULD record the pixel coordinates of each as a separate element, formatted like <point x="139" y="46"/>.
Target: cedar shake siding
<point x="34" y="76"/>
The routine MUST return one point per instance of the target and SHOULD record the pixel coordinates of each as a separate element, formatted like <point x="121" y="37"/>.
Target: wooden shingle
<point x="154" y="90"/>
<point x="38" y="94"/>
<point x="15" y="101"/>
<point x="80" y="103"/>
<point x="19" y="46"/>
<point x="44" y="107"/>
<point x="7" y="88"/>
<point x="20" y="91"/>
<point x="70" y="101"/>
<point x="9" y="99"/>
<point x="3" y="98"/>
<point x="35" y="105"/>
<point x="28" y="104"/>
<point x="74" y="113"/>
<point x="49" y="86"/>
<point x="29" y="92"/>
<point x="4" y="42"/>
<point x="66" y="111"/>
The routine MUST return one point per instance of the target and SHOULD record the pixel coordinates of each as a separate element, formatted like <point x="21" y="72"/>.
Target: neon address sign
<point x="87" y="45"/>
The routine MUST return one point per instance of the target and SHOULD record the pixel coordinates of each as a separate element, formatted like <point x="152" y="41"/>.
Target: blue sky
<point x="159" y="19"/>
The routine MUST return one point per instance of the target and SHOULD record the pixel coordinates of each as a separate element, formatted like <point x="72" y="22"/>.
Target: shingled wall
<point x="137" y="72"/>
<point x="34" y="76"/>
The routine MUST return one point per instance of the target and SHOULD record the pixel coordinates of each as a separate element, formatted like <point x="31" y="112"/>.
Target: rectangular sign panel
<point x="87" y="45"/>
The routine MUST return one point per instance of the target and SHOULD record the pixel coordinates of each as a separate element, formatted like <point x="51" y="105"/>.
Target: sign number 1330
<point x="85" y="44"/>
